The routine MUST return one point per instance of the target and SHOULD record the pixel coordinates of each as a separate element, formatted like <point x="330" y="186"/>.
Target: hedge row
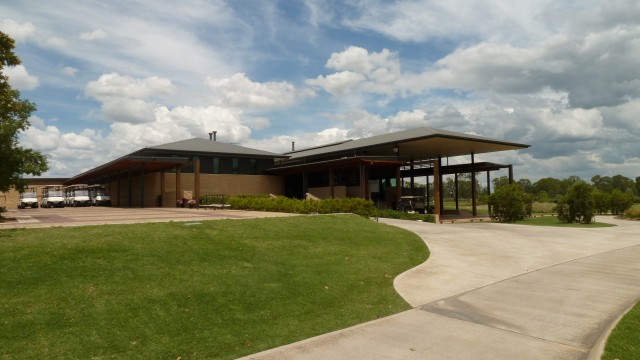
<point x="284" y="204"/>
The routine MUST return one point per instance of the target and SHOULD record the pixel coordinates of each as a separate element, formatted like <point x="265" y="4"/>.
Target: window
<point x="254" y="167"/>
<point x="235" y="166"/>
<point x="216" y="165"/>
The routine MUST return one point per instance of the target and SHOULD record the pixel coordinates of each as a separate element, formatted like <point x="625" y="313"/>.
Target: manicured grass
<point x="553" y="221"/>
<point x="466" y="205"/>
<point x="624" y="343"/>
<point x="219" y="289"/>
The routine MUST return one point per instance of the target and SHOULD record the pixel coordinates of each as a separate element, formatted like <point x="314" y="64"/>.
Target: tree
<point x="550" y="186"/>
<point x="578" y="205"/>
<point x="509" y="203"/>
<point x="620" y="201"/>
<point x="601" y="201"/>
<point x="16" y="161"/>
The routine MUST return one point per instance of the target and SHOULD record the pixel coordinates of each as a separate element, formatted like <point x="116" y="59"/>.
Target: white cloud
<point x="303" y="140"/>
<point x="20" y="78"/>
<point x="114" y="85"/>
<point x="338" y="83"/>
<point x="359" y="70"/>
<point x="240" y="91"/>
<point x="126" y="99"/>
<point x="19" y="32"/>
<point x="93" y="35"/>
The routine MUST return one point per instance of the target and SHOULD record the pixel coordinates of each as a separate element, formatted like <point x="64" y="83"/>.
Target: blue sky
<point x="110" y="77"/>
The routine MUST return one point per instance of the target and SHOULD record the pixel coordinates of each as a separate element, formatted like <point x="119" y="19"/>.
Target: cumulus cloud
<point x="240" y="91"/>
<point x="360" y="70"/>
<point x="116" y="85"/>
<point x="20" y="78"/>
<point x="126" y="99"/>
<point x="19" y="32"/>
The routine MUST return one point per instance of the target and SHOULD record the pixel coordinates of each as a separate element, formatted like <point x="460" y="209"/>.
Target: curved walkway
<point x="496" y="291"/>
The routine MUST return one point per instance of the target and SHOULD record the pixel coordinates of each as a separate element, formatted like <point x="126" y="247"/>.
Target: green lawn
<point x="218" y="289"/>
<point x="624" y="343"/>
<point x="553" y="221"/>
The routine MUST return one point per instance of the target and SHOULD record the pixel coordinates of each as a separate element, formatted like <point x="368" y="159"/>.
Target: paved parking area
<point x="78" y="216"/>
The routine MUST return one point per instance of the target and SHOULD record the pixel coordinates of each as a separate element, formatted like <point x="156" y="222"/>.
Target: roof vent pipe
<point x="293" y="146"/>
<point x="212" y="135"/>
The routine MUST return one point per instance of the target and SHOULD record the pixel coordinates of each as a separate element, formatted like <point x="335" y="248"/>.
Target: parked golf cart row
<point x="61" y="196"/>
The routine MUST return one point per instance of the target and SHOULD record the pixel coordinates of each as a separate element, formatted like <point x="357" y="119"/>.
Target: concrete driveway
<point x="497" y="291"/>
<point x="99" y="215"/>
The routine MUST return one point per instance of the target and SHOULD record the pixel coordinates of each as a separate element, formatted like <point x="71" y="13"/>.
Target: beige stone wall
<point x="210" y="184"/>
<point x="227" y="184"/>
<point x="339" y="192"/>
<point x="10" y="199"/>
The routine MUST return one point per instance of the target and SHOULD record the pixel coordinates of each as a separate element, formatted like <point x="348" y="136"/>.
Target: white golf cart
<point x="52" y="196"/>
<point x="77" y="195"/>
<point x="28" y="198"/>
<point x="99" y="195"/>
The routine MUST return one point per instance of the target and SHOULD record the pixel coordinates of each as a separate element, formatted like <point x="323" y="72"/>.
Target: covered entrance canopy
<point x="409" y="153"/>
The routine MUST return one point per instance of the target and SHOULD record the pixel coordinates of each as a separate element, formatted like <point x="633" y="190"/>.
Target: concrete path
<point x="80" y="216"/>
<point x="496" y="291"/>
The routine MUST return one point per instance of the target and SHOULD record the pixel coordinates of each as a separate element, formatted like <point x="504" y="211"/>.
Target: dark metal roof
<point x="196" y="145"/>
<point x="417" y="143"/>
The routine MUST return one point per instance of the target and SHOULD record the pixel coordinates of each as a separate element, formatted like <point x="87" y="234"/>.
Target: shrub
<point x="620" y="201"/>
<point x="357" y="206"/>
<point x="510" y="203"/>
<point x="2" y="210"/>
<point x="633" y="213"/>
<point x="578" y="205"/>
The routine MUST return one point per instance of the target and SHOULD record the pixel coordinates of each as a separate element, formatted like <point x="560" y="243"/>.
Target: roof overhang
<point x="129" y="163"/>
<point x="342" y="163"/>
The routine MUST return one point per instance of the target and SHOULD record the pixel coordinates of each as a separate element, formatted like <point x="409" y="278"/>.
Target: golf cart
<point x="28" y="198"/>
<point x="99" y="195"/>
<point x="52" y="196"/>
<point x="77" y="195"/>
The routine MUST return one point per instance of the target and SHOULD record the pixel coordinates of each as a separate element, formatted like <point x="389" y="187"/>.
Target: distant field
<point x="218" y="289"/>
<point x="553" y="221"/>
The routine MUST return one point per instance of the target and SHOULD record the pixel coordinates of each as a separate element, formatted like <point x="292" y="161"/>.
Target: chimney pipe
<point x="293" y="146"/>
<point x="212" y="135"/>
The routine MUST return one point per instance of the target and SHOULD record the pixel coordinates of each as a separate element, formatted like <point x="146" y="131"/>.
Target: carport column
<point x="142" y="185"/>
<point x="474" y="203"/>
<point x="130" y="193"/>
<point x="455" y="186"/>
<point x="305" y="183"/>
<point x="437" y="200"/>
<point x="510" y="174"/>
<point x="412" y="178"/>
<point x="162" y="188"/>
<point x="178" y="185"/>
<point x="363" y="181"/>
<point x="118" y="179"/>
<point x="196" y="186"/>
<point x="489" y="190"/>
<point x="332" y="184"/>
<point x="398" y="189"/>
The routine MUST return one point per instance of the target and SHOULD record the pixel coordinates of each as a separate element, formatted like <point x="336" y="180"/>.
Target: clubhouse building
<point x="382" y="168"/>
